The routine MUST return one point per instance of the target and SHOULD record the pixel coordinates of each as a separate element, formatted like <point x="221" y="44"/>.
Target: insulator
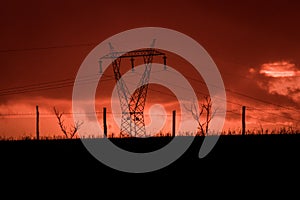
<point x="132" y="64"/>
<point x="165" y="62"/>
<point x="100" y="66"/>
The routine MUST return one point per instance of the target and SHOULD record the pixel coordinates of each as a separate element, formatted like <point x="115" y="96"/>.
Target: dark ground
<point x="255" y="161"/>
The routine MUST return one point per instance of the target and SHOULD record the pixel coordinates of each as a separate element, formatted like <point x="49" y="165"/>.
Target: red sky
<point x="255" y="45"/>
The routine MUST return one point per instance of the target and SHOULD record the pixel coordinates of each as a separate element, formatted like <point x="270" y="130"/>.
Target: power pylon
<point x="132" y="106"/>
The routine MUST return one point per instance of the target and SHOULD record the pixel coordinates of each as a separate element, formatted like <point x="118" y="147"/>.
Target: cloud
<point x="282" y="78"/>
<point x="286" y="86"/>
<point x="279" y="84"/>
<point x="279" y="69"/>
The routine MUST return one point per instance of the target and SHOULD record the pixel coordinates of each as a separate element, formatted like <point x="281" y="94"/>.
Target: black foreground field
<point x="239" y="158"/>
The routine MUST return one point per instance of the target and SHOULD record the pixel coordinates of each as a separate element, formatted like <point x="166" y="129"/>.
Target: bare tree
<point x="203" y="116"/>
<point x="71" y="132"/>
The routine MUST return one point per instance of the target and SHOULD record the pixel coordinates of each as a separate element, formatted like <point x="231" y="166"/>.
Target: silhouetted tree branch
<point x="203" y="116"/>
<point x="72" y="130"/>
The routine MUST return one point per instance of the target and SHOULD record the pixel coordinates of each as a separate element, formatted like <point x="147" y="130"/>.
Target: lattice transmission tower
<point x="132" y="106"/>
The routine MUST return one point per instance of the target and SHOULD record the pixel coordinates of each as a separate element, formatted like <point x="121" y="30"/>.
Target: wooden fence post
<point x="173" y="123"/>
<point x="37" y="123"/>
<point x="243" y="120"/>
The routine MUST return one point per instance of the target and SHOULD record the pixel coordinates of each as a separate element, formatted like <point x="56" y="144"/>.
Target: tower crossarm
<point x="133" y="54"/>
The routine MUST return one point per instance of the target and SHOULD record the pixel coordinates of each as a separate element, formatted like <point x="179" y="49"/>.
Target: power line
<point x="54" y="84"/>
<point x="48" y="47"/>
<point x="69" y="82"/>
<point x="249" y="107"/>
<point x="48" y="86"/>
<point x="241" y="94"/>
<point x="244" y="95"/>
<point x="196" y="91"/>
<point x="282" y="107"/>
<point x="88" y="80"/>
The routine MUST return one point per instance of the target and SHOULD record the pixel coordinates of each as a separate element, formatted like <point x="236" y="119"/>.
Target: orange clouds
<point x="282" y="78"/>
<point x="279" y="84"/>
<point x="279" y="69"/>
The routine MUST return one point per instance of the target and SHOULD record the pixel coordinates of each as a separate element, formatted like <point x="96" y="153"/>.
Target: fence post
<point x="37" y="123"/>
<point x="104" y="122"/>
<point x="173" y="123"/>
<point x="243" y="120"/>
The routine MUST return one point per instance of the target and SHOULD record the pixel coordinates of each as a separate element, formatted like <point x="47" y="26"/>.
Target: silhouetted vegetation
<point x="203" y="116"/>
<point x="255" y="131"/>
<point x="68" y="132"/>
